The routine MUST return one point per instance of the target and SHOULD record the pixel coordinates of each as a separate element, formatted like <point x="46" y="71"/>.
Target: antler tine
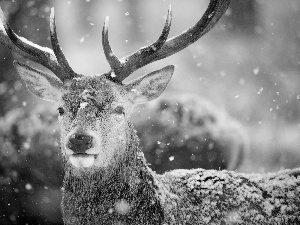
<point x="212" y="15"/>
<point x="164" y="35"/>
<point x="67" y="71"/>
<point x="142" y="57"/>
<point x="120" y="67"/>
<point x="111" y="58"/>
<point x="26" y="48"/>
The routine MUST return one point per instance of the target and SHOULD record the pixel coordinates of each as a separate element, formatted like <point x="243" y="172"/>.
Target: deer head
<point x="94" y="110"/>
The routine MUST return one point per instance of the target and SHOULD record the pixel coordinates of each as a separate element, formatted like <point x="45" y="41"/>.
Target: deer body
<point x="107" y="180"/>
<point x="178" y="197"/>
<point x="130" y="193"/>
<point x="122" y="189"/>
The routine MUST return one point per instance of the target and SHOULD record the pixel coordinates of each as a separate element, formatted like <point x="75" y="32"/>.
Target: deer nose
<point x="79" y="143"/>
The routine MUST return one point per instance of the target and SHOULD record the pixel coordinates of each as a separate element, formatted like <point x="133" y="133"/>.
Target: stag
<point x="107" y="180"/>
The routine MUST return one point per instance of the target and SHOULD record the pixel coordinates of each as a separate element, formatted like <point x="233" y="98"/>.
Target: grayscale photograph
<point x="149" y="112"/>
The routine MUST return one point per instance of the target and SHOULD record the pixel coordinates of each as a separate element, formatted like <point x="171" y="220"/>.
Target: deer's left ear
<point x="150" y="86"/>
<point x="41" y="84"/>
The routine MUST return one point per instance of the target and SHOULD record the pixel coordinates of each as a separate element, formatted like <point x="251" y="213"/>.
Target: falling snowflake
<point x="171" y="158"/>
<point x="112" y="74"/>
<point x="122" y="207"/>
<point x="83" y="105"/>
<point x="256" y="70"/>
<point x="110" y="210"/>
<point x="28" y="187"/>
<point x="26" y="145"/>
<point x="260" y="90"/>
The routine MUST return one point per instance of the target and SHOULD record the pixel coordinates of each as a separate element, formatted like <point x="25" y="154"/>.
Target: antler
<point x="56" y="61"/>
<point x="67" y="71"/>
<point x="53" y="60"/>
<point x="162" y="48"/>
<point x="118" y="66"/>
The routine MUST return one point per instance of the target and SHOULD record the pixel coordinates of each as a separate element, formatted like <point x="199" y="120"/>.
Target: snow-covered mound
<point x="187" y="131"/>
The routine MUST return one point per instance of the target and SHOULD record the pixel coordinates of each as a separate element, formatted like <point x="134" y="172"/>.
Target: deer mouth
<point x="80" y="160"/>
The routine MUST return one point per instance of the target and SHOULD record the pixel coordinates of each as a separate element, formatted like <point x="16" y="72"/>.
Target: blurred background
<point x="244" y="76"/>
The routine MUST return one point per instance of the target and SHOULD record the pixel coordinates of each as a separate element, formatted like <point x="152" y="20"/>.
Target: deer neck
<point x="123" y="192"/>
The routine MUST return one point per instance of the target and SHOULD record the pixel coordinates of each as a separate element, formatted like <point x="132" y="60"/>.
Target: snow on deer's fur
<point x="107" y="180"/>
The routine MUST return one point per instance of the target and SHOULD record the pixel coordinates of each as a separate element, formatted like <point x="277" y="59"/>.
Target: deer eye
<point x="119" y="110"/>
<point x="61" y="111"/>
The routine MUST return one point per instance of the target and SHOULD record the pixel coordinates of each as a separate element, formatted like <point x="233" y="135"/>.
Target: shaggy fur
<point x="124" y="193"/>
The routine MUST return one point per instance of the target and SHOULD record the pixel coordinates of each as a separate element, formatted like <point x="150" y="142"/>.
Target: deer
<point x="107" y="180"/>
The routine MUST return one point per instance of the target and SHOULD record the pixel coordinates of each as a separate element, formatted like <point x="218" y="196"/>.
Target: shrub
<point x="30" y="168"/>
<point x="187" y="132"/>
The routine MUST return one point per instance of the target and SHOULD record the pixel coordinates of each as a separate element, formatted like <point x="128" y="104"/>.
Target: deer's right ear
<point x="41" y="84"/>
<point x="150" y="86"/>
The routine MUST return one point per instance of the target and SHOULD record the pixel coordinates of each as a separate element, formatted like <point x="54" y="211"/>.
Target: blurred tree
<point x="35" y="28"/>
<point x="30" y="168"/>
<point x="244" y="17"/>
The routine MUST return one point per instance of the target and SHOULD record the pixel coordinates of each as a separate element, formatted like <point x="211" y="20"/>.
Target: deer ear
<point x="41" y="84"/>
<point x="150" y="86"/>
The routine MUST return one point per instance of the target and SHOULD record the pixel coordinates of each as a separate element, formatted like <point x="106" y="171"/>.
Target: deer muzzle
<point x="79" y="143"/>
